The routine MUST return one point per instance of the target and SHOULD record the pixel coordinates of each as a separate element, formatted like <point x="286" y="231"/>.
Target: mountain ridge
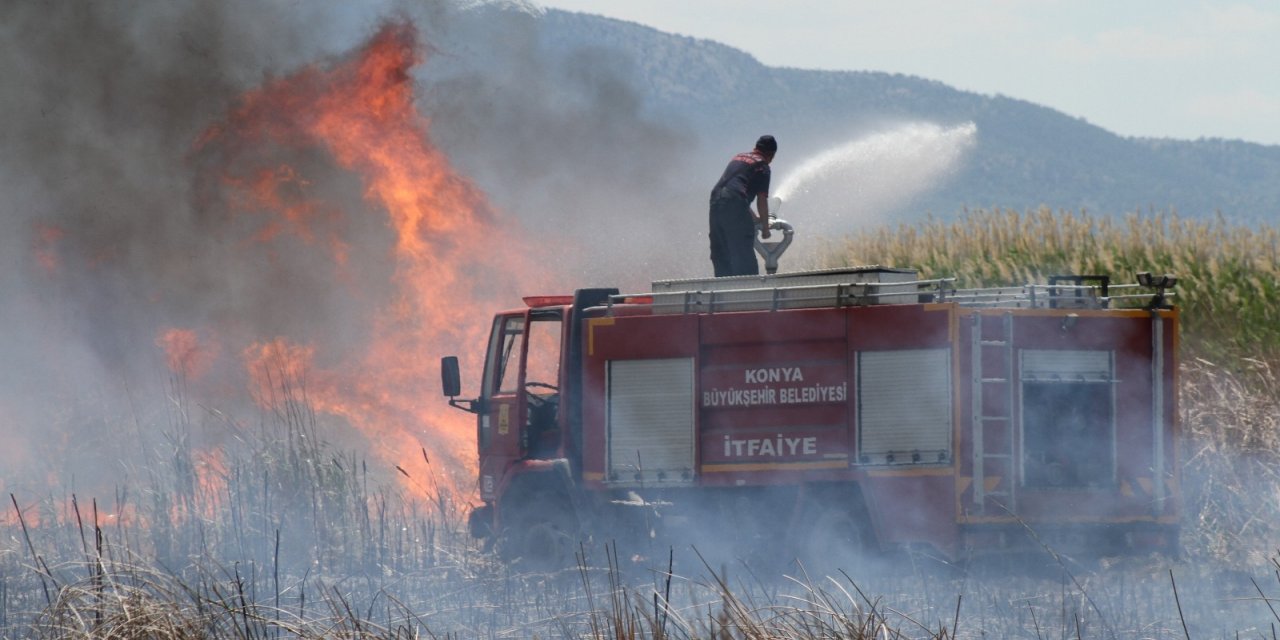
<point x="1026" y="154"/>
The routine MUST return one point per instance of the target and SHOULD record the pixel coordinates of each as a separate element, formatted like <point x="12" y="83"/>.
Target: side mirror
<point x="451" y="381"/>
<point x="449" y="376"/>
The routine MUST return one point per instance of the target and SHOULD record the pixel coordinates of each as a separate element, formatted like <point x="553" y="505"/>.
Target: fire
<point x="210" y="469"/>
<point x="274" y="366"/>
<point x="184" y="353"/>
<point x="277" y="189"/>
<point x="454" y="261"/>
<point x="48" y="237"/>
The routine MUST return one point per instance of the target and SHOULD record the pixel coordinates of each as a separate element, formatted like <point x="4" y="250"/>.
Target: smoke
<point x="861" y="182"/>
<point x="106" y="233"/>
<point x="562" y="138"/>
<point x="121" y="235"/>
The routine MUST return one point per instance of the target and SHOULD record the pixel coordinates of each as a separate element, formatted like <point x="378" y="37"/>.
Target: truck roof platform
<point x="878" y="285"/>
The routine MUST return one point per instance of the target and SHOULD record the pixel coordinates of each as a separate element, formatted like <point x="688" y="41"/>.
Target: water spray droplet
<point x="866" y="179"/>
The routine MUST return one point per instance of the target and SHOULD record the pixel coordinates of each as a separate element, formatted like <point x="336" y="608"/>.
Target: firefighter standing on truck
<point x="733" y="227"/>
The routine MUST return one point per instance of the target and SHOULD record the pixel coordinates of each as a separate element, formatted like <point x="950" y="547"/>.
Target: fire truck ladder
<point x="993" y="447"/>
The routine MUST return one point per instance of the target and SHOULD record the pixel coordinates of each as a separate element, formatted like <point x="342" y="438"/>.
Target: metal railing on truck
<point x="839" y="288"/>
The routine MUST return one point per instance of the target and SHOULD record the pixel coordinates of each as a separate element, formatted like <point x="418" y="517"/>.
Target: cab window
<point x="543" y="363"/>
<point x="503" y="373"/>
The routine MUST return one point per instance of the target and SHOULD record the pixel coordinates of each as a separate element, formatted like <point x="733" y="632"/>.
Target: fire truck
<point x="857" y="410"/>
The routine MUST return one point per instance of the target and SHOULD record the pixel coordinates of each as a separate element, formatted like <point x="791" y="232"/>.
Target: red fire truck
<point x="838" y="411"/>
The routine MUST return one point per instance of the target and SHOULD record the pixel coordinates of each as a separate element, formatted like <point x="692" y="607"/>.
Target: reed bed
<point x="351" y="556"/>
<point x="1231" y="460"/>
<point x="1228" y="274"/>
<point x="116" y="596"/>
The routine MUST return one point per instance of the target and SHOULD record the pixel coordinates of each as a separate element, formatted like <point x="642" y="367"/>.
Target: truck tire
<point x="540" y="534"/>
<point x="480" y="522"/>
<point x="833" y="538"/>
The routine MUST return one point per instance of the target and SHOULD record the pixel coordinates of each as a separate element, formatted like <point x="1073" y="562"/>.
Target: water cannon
<point x="1161" y="283"/>
<point x="772" y="250"/>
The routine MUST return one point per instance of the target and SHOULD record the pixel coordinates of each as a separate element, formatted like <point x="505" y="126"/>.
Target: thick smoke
<point x="120" y="224"/>
<point x="564" y="141"/>
<point x="109" y="232"/>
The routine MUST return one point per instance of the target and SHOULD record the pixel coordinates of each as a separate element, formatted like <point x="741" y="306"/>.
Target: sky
<point x="1181" y="69"/>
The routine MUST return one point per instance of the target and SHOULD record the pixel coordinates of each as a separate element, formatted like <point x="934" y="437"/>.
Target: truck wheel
<point x="547" y="547"/>
<point x="480" y="522"/>
<point x="539" y="536"/>
<point x="833" y="538"/>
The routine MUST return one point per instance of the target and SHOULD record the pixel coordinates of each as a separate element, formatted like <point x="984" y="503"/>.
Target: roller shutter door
<point x="651" y="422"/>
<point x="904" y="406"/>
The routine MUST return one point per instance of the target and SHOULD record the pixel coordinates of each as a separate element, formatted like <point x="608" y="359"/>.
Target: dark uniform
<point x="733" y="227"/>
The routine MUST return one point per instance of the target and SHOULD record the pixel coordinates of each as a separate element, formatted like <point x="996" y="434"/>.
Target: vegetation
<point x="1228" y="275"/>
<point x="281" y="535"/>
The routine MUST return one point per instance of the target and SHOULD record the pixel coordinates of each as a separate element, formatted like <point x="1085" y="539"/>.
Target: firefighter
<point x="733" y="227"/>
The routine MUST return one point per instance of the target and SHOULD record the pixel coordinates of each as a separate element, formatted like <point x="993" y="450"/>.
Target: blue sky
<point x="1173" y="68"/>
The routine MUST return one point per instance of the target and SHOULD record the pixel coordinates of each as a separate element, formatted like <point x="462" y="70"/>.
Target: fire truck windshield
<point x="507" y="342"/>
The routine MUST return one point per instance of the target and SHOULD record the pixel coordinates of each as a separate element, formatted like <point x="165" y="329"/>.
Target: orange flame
<point x="453" y="254"/>
<point x="210" y="469"/>
<point x="185" y="354"/>
<point x="46" y="250"/>
<point x="276" y="359"/>
<point x="281" y="189"/>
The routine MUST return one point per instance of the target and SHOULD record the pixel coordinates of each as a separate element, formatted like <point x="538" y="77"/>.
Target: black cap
<point x="767" y="144"/>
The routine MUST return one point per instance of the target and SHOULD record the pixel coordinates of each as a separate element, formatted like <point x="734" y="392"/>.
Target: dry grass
<point x="1229" y="275"/>
<point x="1231" y="468"/>
<point x="243" y="572"/>
<point x="1133" y="599"/>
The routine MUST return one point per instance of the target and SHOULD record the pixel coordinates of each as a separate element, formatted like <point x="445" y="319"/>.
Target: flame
<point x="455" y="260"/>
<point x="12" y="451"/>
<point x="275" y="363"/>
<point x="48" y="237"/>
<point x="184" y="353"/>
<point x="281" y="189"/>
<point x="211" y="472"/>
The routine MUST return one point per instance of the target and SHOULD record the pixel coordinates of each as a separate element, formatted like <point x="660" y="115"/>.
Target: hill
<point x="697" y="100"/>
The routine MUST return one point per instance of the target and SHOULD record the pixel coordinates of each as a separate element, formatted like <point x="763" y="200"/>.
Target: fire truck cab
<point x="857" y="410"/>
